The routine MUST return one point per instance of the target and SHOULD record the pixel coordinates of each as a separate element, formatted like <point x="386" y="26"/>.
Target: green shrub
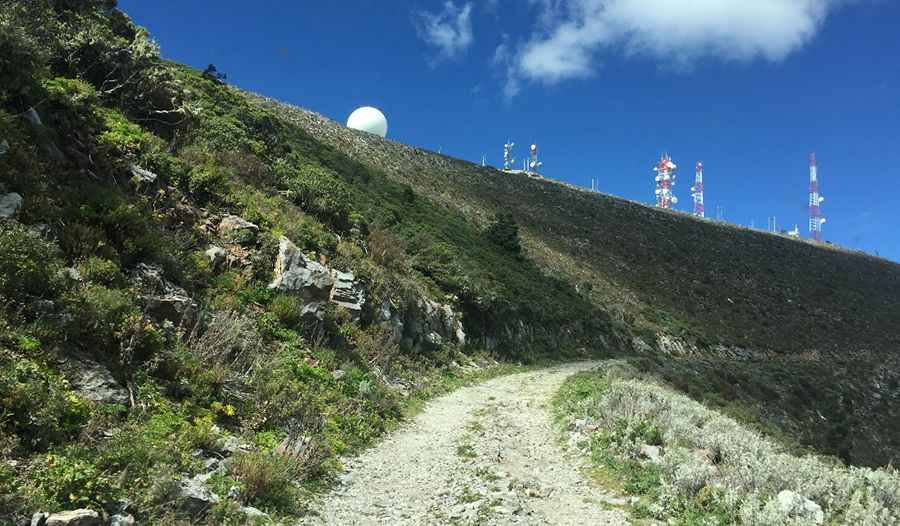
<point x="317" y="190"/>
<point x="37" y="403"/>
<point x="23" y="57"/>
<point x="102" y="312"/>
<point x="69" y="106"/>
<point x="69" y="480"/>
<point x="122" y="139"/>
<point x="287" y="309"/>
<point x="101" y="271"/>
<point x="504" y="232"/>
<point x="80" y="240"/>
<point x="29" y="265"/>
<point x="207" y="181"/>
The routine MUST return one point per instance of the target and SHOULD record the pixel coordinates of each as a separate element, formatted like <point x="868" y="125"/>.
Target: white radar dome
<point x="368" y="119"/>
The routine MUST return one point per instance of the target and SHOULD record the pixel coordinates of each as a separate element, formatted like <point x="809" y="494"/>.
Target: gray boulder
<point x="215" y="256"/>
<point x="32" y="117"/>
<point x="235" y="229"/>
<point x="308" y="279"/>
<point x="195" y="497"/>
<point x="10" y="204"/>
<point x="4" y="147"/>
<point x="39" y="519"/>
<point x="121" y="520"/>
<point x="795" y="505"/>
<point x="162" y="299"/>
<point x="74" y="518"/>
<point x="93" y="381"/>
<point x="140" y="176"/>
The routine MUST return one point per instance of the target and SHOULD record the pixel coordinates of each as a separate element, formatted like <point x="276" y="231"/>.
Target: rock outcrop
<point x="10" y="204"/>
<point x="140" y="176"/>
<point x="194" y="495"/>
<point x="162" y="299"/>
<point x="422" y="321"/>
<point x="315" y="284"/>
<point x="215" y="256"/>
<point x="74" y="518"/>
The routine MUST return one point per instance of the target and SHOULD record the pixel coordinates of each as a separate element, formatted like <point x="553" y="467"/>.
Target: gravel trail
<point x="485" y="455"/>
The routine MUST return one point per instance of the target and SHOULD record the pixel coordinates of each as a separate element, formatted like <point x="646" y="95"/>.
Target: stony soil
<point x="486" y="454"/>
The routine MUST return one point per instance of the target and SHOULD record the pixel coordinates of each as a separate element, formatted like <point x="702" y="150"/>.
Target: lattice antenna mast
<point x="697" y="192"/>
<point x="816" y="219"/>
<point x="665" y="181"/>
<point x="534" y="163"/>
<point x="508" y="160"/>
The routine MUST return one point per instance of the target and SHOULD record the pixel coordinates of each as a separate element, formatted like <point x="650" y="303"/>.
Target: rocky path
<point x="485" y="455"/>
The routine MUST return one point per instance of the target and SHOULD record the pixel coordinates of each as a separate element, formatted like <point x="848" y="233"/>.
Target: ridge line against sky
<point x="602" y="86"/>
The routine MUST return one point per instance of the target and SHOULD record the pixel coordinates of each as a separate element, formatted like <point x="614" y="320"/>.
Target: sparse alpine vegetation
<point x="685" y="462"/>
<point x="207" y="298"/>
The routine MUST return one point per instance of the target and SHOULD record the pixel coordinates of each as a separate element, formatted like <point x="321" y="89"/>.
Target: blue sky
<point x="602" y="86"/>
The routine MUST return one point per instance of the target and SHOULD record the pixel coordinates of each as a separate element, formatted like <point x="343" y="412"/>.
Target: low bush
<point x="29" y="265"/>
<point x="67" y="479"/>
<point x="37" y="404"/>
<point x="713" y="466"/>
<point x="101" y="271"/>
<point x="267" y="479"/>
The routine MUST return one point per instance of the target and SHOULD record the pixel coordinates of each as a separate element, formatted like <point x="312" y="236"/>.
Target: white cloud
<point x="449" y="30"/>
<point x="572" y="33"/>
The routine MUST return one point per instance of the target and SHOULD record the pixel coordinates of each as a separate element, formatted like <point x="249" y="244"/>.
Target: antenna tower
<point x="816" y="219"/>
<point x="508" y="160"/>
<point x="534" y="164"/>
<point x="697" y="192"/>
<point x="665" y="180"/>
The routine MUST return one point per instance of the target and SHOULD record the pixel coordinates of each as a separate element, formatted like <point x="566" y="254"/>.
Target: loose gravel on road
<point x="483" y="455"/>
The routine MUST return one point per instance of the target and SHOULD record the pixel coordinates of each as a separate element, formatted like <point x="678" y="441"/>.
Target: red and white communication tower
<point x="816" y="219"/>
<point x="697" y="192"/>
<point x="665" y="181"/>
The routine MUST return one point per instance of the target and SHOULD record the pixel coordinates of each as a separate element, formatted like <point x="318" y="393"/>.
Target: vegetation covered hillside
<point x="206" y="298"/>
<point x="201" y="305"/>
<point x="796" y="335"/>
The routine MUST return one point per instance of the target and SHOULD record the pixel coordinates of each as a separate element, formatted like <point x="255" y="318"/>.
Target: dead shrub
<point x="231" y="339"/>
<point x="386" y="249"/>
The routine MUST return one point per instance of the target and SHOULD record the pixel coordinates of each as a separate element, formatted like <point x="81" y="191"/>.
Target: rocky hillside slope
<point x="707" y="283"/>
<point x="798" y="335"/>
<point x="207" y="297"/>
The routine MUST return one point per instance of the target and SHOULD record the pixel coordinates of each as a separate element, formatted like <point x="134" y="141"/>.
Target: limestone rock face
<point x="235" y="229"/>
<point x="347" y="292"/>
<point x="162" y="299"/>
<point x="74" y="518"/>
<point x="422" y="321"/>
<point x="315" y="284"/>
<point x="10" y="204"/>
